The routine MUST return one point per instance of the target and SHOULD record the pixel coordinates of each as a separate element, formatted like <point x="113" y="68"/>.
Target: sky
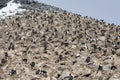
<point x="107" y="10"/>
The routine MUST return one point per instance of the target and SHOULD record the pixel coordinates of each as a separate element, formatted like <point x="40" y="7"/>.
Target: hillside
<point x="50" y="44"/>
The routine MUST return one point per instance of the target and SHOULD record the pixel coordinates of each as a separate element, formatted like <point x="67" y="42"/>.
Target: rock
<point x="115" y="77"/>
<point x="3" y="3"/>
<point x="102" y="38"/>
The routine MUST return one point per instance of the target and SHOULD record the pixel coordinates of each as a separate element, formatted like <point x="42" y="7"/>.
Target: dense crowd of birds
<point x="58" y="45"/>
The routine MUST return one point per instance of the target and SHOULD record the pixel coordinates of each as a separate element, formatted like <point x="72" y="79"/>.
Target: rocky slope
<point x="34" y="5"/>
<point x="3" y="3"/>
<point x="58" y="45"/>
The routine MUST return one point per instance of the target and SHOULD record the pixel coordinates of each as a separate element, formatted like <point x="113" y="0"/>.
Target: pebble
<point x="102" y="38"/>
